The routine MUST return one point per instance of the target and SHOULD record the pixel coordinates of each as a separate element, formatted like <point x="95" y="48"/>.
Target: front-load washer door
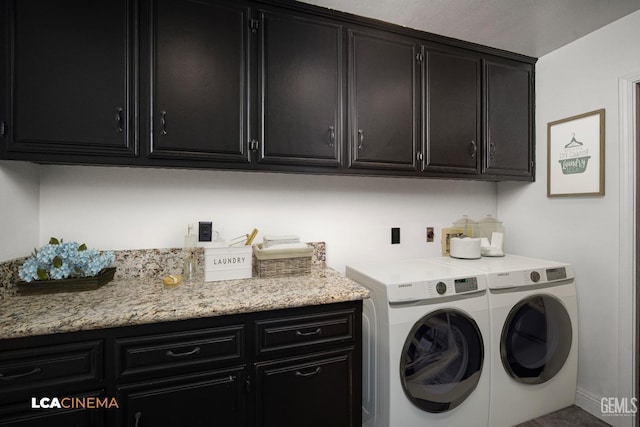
<point x="536" y="339"/>
<point x="442" y="360"/>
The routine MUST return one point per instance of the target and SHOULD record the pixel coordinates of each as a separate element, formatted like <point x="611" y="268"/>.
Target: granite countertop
<point x="145" y="300"/>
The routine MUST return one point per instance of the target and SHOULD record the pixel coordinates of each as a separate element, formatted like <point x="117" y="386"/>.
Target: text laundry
<point x="230" y="260"/>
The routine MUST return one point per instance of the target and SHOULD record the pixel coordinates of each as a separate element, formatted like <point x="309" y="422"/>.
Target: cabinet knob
<point x="473" y="149"/>
<point x="119" y="120"/>
<point x="163" y="122"/>
<point x="332" y="136"/>
<point x="360" y="139"/>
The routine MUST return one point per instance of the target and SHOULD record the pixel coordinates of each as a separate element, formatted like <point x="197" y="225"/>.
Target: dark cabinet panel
<point x="197" y="65"/>
<point x="213" y="399"/>
<point x="383" y="101"/>
<point x="313" y="392"/>
<point x="72" y="77"/>
<point x="452" y="111"/>
<point x="509" y="118"/>
<point x="301" y="90"/>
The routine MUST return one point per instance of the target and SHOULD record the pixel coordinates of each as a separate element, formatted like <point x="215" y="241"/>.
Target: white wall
<point x="19" y="209"/>
<point x="575" y="79"/>
<point x="125" y="208"/>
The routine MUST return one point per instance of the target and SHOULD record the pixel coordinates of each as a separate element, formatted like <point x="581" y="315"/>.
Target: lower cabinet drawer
<point x="138" y="356"/>
<point x="49" y="368"/>
<point x="304" y="331"/>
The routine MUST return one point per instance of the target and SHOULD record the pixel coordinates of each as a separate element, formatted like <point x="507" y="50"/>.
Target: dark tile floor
<point x="568" y="417"/>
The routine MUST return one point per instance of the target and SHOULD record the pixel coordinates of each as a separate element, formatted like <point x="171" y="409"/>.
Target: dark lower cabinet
<point x="383" y="101"/>
<point x="300" y="86"/>
<point x="23" y="415"/>
<point x="314" y="391"/>
<point x="213" y="399"/>
<point x="285" y="368"/>
<point x="70" y="88"/>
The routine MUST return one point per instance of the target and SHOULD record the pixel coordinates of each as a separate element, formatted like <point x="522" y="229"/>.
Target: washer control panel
<point x="446" y="287"/>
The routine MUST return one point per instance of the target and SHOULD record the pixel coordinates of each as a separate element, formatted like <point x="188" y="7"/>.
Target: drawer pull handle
<point x="16" y="376"/>
<point x="196" y="350"/>
<point x="309" y="374"/>
<point x="318" y="331"/>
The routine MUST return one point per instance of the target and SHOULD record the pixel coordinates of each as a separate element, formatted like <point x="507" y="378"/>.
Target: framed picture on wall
<point x="575" y="156"/>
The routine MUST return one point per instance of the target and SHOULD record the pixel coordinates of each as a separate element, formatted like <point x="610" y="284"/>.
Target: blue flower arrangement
<point x="62" y="260"/>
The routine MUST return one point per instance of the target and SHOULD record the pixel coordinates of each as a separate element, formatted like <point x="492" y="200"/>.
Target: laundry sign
<point x="575" y="155"/>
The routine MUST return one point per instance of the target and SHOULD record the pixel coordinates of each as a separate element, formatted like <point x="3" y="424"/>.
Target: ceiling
<point x="529" y="27"/>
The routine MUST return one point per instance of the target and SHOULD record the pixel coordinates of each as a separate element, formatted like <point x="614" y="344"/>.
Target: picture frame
<point x="575" y="155"/>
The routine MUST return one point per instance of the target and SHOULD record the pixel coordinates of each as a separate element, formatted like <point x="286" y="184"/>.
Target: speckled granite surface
<point x="138" y="300"/>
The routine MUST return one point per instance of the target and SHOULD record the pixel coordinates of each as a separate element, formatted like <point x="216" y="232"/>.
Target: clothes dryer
<point x="534" y="335"/>
<point x="425" y="345"/>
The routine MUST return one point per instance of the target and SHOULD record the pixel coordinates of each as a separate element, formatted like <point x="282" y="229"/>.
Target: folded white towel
<point x="280" y="240"/>
<point x="285" y="246"/>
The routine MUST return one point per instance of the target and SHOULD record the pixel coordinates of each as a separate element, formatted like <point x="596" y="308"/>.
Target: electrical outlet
<point x="429" y="234"/>
<point x="205" y="231"/>
<point x="395" y="235"/>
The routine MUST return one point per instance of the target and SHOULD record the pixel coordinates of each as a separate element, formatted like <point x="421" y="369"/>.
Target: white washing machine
<point x="425" y="345"/>
<point x="534" y="336"/>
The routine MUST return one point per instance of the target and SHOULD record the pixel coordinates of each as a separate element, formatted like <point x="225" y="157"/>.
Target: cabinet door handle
<point x="34" y="371"/>
<point x="332" y="136"/>
<point x="119" y="120"/>
<point x="309" y="374"/>
<point x="473" y="149"/>
<point x="163" y="122"/>
<point x="360" y="139"/>
<point x="492" y="151"/>
<point x="318" y="331"/>
<point x="137" y="417"/>
<point x="170" y="353"/>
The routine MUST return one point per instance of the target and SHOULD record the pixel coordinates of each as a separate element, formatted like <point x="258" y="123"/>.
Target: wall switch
<point x="395" y="235"/>
<point x="205" y="231"/>
<point x="429" y="234"/>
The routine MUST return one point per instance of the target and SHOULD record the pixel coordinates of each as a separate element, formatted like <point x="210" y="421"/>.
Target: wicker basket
<point x="276" y="263"/>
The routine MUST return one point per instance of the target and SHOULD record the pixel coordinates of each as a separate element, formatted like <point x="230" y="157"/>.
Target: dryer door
<point x="442" y="360"/>
<point x="536" y="339"/>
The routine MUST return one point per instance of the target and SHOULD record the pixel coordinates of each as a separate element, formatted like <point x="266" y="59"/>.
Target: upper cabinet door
<point x="72" y="68"/>
<point x="301" y="80"/>
<point x="383" y="101"/>
<point x="198" y="59"/>
<point x="452" y="111"/>
<point x="509" y="118"/>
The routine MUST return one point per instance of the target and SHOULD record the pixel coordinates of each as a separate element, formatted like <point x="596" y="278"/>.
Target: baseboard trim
<point x="591" y="404"/>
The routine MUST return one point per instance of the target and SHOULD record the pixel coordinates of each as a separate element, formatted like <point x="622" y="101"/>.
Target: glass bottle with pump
<point x="190" y="255"/>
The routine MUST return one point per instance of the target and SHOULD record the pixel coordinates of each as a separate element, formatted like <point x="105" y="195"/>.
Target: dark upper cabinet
<point x="71" y="77"/>
<point x="452" y="116"/>
<point x="383" y="101"/>
<point x="509" y="118"/>
<point x="194" y="65"/>
<point x="300" y="89"/>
